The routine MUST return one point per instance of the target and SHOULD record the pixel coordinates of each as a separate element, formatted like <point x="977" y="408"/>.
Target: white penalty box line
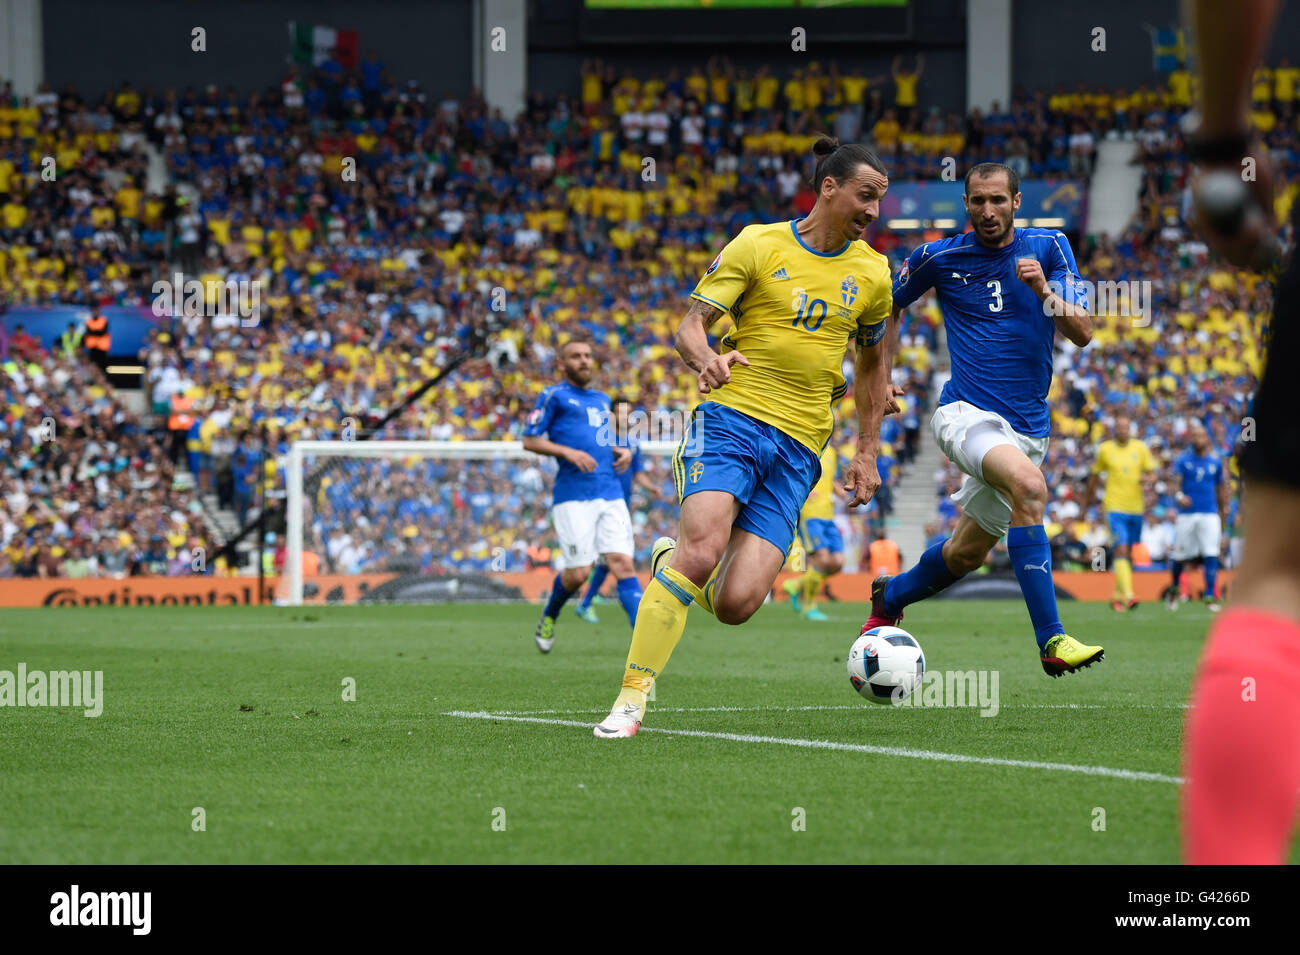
<point x="898" y="751"/>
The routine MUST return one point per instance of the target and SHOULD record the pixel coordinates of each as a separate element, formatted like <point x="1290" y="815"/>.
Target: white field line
<point x="925" y="754"/>
<point x="853" y="706"/>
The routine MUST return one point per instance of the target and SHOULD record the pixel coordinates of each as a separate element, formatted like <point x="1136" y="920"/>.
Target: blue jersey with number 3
<point x="577" y="418"/>
<point x="1201" y="479"/>
<point x="999" y="335"/>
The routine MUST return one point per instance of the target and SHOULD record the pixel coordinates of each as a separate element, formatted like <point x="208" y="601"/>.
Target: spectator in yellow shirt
<point x="765" y="89"/>
<point x="905" y="87"/>
<point x="795" y="91"/>
<point x="1261" y="89"/>
<point x="593" y="88"/>
<point x="886" y="131"/>
<point x="1286" y="78"/>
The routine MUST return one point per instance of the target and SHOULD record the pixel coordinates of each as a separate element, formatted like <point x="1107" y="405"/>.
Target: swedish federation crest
<point x="849" y="289"/>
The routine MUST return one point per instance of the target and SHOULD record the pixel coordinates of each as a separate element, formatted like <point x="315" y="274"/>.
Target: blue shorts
<point x="819" y="534"/>
<point x="762" y="467"/>
<point x="1125" y="529"/>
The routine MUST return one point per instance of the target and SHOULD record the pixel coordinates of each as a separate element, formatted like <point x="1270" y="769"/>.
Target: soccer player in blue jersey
<point x="634" y="473"/>
<point x="799" y="292"/>
<point x="588" y="510"/>
<point x="1001" y="315"/>
<point x="1202" y="504"/>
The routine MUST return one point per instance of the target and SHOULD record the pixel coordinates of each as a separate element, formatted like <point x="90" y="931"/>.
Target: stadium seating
<point x="464" y="228"/>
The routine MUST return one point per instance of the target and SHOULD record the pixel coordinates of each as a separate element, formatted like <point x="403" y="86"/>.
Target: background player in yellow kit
<point x="1129" y="467"/>
<point x="823" y="546"/>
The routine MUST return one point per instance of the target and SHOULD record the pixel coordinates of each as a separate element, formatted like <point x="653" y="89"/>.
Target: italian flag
<point x="312" y="44"/>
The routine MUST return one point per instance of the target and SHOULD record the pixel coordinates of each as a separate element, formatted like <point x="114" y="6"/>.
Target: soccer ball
<point x="886" y="664"/>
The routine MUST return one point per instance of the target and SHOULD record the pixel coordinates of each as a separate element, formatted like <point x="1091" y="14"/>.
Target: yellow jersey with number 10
<point x="794" y="311"/>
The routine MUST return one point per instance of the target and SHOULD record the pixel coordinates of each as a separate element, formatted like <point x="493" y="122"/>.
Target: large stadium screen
<point x="736" y="4"/>
<point x="742" y="21"/>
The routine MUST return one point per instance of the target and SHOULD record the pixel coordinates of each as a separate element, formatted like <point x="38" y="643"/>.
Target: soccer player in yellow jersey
<point x="797" y="291"/>
<point x="821" y="540"/>
<point x="1128" y="466"/>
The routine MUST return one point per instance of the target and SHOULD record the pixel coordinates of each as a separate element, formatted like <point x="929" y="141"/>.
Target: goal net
<point x="433" y="521"/>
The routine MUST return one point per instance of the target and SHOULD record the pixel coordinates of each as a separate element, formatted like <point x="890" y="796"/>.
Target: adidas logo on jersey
<point x="781" y="273"/>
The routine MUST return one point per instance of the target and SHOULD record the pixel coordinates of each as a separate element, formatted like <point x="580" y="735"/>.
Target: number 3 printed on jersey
<point x="996" y="304"/>
<point x="805" y="311"/>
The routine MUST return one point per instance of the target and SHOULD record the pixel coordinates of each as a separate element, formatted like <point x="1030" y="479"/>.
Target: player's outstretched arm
<point x="870" y="378"/>
<point x="692" y="343"/>
<point x="578" y="458"/>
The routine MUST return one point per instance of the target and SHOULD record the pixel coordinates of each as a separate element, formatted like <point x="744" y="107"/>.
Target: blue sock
<point x="1211" y="574"/>
<point x="928" y="577"/>
<point x="1031" y="557"/>
<point x="597" y="581"/>
<point x="558" y="596"/>
<point x="1177" y="571"/>
<point x="629" y="595"/>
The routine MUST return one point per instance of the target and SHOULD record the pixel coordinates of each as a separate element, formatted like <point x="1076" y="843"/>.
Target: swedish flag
<point x="1167" y="49"/>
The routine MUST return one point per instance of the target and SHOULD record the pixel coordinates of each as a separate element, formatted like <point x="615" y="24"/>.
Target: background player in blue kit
<point x="590" y="516"/>
<point x="1001" y="316"/>
<point x="634" y="473"/>
<point x="1202" y="504"/>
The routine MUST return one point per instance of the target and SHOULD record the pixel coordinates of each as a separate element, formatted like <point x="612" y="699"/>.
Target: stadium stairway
<point x="1113" y="190"/>
<point x="915" y="498"/>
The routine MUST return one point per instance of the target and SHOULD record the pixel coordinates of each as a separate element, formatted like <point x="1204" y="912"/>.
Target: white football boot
<point x="622" y="722"/>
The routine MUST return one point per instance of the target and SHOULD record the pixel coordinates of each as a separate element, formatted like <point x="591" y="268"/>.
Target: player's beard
<point x="580" y="378"/>
<point x="992" y="239"/>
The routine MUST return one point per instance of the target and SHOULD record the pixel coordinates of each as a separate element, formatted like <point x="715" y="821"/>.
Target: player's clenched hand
<point x="862" y="480"/>
<point x="622" y="458"/>
<point x="581" y="460"/>
<point x="892" y="394"/>
<point x="1030" y="271"/>
<point x="718" y="372"/>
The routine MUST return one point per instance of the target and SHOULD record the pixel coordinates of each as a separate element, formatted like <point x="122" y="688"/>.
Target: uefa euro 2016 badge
<point x="709" y="270"/>
<point x="902" y="273"/>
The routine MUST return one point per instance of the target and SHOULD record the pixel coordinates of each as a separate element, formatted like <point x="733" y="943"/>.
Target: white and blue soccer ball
<point x="886" y="664"/>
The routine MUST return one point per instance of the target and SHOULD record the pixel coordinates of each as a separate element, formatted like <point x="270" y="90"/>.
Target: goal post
<point x="308" y="462"/>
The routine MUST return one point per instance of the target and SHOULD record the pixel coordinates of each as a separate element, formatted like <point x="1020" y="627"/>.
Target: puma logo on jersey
<point x="1042" y="566"/>
<point x="958" y="275"/>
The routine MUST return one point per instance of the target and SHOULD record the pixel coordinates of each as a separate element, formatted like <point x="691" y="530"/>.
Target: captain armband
<point x="869" y="335"/>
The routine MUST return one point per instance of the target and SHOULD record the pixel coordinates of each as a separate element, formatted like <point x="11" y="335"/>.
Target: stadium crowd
<point x="390" y="230"/>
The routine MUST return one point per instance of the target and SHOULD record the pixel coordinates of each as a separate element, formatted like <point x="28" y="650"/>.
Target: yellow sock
<point x="660" y="620"/>
<point x="811" y="584"/>
<point x="703" y="595"/>
<point x="1124" y="578"/>
<point x="705" y="598"/>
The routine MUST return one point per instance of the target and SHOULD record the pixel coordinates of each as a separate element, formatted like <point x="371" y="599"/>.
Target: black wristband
<point x="1221" y="149"/>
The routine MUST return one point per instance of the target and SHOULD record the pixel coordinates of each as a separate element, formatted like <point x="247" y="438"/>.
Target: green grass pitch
<point x="241" y="712"/>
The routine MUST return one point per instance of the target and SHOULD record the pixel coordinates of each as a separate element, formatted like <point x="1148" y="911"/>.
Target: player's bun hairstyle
<point x="841" y="161"/>
<point x="985" y="169"/>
